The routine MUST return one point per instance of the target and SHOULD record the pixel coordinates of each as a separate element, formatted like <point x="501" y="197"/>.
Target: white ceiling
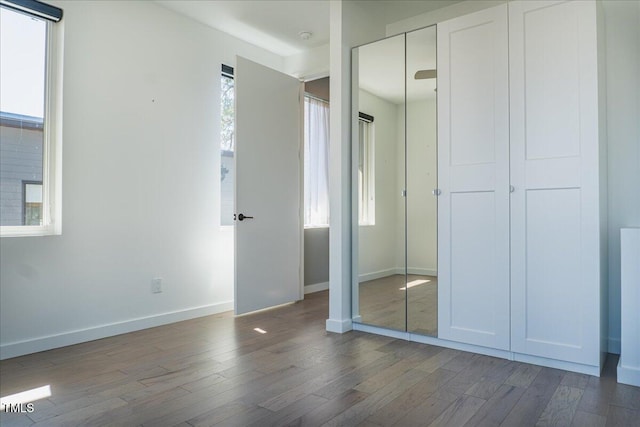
<point x="275" y="25"/>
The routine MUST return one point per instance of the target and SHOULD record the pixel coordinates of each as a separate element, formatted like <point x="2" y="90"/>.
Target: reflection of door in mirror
<point x="394" y="173"/>
<point x="422" y="282"/>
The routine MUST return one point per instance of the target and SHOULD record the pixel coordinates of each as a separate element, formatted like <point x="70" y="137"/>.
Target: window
<point x="29" y="155"/>
<point x="366" y="173"/>
<point x="316" y="162"/>
<point x="227" y="146"/>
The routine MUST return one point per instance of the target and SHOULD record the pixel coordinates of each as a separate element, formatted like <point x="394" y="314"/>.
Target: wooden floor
<point x="382" y="303"/>
<point x="219" y="370"/>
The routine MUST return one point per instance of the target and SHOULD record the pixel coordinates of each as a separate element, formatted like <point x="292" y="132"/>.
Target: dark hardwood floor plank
<point x="459" y="412"/>
<point x="585" y="419"/>
<point x="81" y="417"/>
<point x="330" y="409"/>
<point x="425" y="413"/>
<point x="574" y="379"/>
<point x="533" y="401"/>
<point x="381" y="397"/>
<point x="291" y="412"/>
<point x="497" y="407"/>
<point x="438" y="360"/>
<point x="562" y="407"/>
<point x="412" y="398"/>
<point x="623" y="417"/>
<point x="523" y="375"/>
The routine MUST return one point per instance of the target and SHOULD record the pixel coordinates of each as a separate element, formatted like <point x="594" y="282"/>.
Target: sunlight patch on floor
<point x="26" y="396"/>
<point x="413" y="283"/>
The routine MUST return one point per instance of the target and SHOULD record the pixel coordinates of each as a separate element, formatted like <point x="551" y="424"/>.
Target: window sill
<point x="307" y="227"/>
<point x="29" y="231"/>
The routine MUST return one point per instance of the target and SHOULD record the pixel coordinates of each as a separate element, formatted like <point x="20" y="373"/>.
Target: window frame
<point x="52" y="138"/>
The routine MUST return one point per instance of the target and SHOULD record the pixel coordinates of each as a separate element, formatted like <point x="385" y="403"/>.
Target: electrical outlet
<point x="156" y="285"/>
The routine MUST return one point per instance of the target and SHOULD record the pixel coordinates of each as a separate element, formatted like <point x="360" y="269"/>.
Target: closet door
<point x="473" y="176"/>
<point x="555" y="273"/>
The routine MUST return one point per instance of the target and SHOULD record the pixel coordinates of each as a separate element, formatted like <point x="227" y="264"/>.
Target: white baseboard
<point x="103" y="331"/>
<point x="339" y="326"/>
<point x="614" y="346"/>
<point x="421" y="271"/>
<point x="557" y="364"/>
<point x="316" y="287"/>
<point x="376" y="275"/>
<point x="397" y="270"/>
<point x="628" y="375"/>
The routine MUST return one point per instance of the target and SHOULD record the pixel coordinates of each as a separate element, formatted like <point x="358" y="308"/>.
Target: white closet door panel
<point x="552" y="264"/>
<point x="473" y="258"/>
<point x="471" y="85"/>
<point x="550" y="70"/>
<point x="473" y="175"/>
<point x="554" y="169"/>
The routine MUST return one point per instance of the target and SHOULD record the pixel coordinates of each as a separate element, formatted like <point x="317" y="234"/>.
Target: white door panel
<point x="268" y="259"/>
<point x="473" y="175"/>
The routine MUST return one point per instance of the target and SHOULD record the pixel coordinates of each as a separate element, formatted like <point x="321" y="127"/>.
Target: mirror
<point x="420" y="125"/>
<point x="379" y="180"/>
<point x="393" y="174"/>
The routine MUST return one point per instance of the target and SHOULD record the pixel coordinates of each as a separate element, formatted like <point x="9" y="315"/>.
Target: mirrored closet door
<point x="393" y="183"/>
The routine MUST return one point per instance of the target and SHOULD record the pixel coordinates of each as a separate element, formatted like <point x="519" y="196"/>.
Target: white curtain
<point x="316" y="162"/>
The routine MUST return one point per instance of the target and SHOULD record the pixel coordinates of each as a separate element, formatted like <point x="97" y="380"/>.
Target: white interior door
<point x="473" y="176"/>
<point x="268" y="235"/>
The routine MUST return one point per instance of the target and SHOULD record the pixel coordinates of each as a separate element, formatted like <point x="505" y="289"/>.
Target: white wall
<point x="316" y="259"/>
<point x="140" y="183"/>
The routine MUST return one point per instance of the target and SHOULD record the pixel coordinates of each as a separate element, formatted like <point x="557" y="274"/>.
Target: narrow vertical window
<point x="227" y="146"/>
<point x="366" y="173"/>
<point x="27" y="118"/>
<point x="316" y="162"/>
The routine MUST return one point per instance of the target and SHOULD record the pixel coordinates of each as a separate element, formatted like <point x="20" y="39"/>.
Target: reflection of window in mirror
<point x="366" y="175"/>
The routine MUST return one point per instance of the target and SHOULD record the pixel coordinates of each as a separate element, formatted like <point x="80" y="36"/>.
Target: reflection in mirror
<point x="394" y="173"/>
<point x="422" y="281"/>
<point x="378" y="175"/>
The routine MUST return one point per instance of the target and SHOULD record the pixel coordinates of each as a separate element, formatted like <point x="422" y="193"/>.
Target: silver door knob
<point x="436" y="192"/>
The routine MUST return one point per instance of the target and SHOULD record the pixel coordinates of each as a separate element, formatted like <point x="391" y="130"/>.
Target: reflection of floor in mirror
<point x="382" y="303"/>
